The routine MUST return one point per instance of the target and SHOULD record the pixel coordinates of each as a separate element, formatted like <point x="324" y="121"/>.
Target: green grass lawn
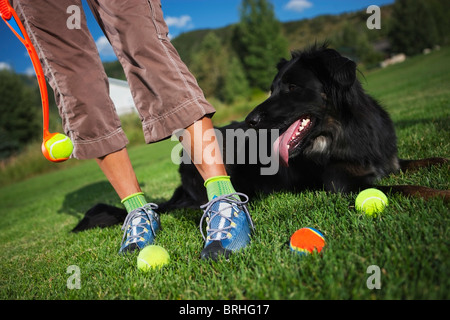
<point x="409" y="242"/>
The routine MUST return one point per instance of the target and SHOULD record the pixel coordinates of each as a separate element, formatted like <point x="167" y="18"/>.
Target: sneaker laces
<point x="210" y="214"/>
<point x="147" y="210"/>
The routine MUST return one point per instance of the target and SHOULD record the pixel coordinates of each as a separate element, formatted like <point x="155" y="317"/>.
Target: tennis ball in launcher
<point x="307" y="240"/>
<point x="152" y="257"/>
<point x="371" y="201"/>
<point x="57" y="148"/>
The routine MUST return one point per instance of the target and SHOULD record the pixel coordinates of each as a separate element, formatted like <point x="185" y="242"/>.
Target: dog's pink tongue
<point x="281" y="144"/>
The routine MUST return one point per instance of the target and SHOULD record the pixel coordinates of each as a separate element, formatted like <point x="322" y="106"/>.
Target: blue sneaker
<point x="140" y="228"/>
<point x="228" y="226"/>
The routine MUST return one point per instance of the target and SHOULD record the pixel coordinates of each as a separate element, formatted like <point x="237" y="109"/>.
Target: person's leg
<point x="228" y="221"/>
<point x="73" y="68"/>
<point x="167" y="95"/>
<point x="118" y="169"/>
<point x="142" y="222"/>
<point x="205" y="148"/>
<point x="75" y="72"/>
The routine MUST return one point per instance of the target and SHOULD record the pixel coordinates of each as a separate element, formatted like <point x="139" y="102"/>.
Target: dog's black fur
<point x="349" y="143"/>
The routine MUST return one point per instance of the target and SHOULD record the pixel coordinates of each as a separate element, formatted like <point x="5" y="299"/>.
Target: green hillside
<point x="300" y="34"/>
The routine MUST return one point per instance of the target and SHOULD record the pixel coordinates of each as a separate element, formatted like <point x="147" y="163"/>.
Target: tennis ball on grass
<point x="152" y="257"/>
<point x="307" y="240"/>
<point x="371" y="201"/>
<point x="59" y="147"/>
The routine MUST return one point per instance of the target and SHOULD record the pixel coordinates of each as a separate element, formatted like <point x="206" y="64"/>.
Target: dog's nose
<point x="253" y="119"/>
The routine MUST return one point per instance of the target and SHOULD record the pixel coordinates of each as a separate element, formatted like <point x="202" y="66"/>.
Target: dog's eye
<point x="292" y="87"/>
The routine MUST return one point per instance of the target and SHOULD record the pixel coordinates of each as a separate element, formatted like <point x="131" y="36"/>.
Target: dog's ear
<point x="343" y="72"/>
<point x="341" y="69"/>
<point x="281" y="63"/>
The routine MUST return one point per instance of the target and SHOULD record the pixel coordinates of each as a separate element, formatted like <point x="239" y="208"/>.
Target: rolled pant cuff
<point x="162" y="127"/>
<point x="89" y="149"/>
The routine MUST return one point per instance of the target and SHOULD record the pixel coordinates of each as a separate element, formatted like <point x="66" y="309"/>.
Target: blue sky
<point x="187" y="15"/>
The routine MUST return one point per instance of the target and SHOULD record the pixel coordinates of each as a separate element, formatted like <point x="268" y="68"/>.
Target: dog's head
<point x="299" y="103"/>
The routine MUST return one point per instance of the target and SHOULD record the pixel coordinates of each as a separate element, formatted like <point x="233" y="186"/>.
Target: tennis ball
<point x="306" y="240"/>
<point x="59" y="147"/>
<point x="371" y="201"/>
<point x="152" y="257"/>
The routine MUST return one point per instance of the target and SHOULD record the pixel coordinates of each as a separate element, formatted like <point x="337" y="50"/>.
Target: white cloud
<point x="5" y="66"/>
<point x="298" y="5"/>
<point x="30" y="71"/>
<point x="184" y="21"/>
<point x="104" y="47"/>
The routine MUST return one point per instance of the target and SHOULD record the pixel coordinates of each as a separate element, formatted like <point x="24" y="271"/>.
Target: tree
<point x="218" y="71"/>
<point x="235" y="82"/>
<point x="259" y="42"/>
<point x="413" y="27"/>
<point x="20" y="122"/>
<point x="440" y="10"/>
<point x="354" y="43"/>
<point x="208" y="64"/>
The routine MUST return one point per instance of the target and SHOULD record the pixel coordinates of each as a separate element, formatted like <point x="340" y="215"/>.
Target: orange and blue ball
<point x="307" y="240"/>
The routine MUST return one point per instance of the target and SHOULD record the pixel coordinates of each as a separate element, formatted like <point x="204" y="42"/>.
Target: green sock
<point x="134" y="201"/>
<point x="219" y="186"/>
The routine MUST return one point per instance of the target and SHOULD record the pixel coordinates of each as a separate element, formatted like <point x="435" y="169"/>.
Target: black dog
<point x="333" y="136"/>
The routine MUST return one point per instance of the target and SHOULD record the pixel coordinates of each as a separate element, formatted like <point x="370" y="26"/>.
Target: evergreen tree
<point x="208" y="64"/>
<point x="235" y="82"/>
<point x="259" y="42"/>
<point x="218" y="71"/>
<point x="354" y="43"/>
<point x="440" y="9"/>
<point x="21" y="119"/>
<point x="413" y="27"/>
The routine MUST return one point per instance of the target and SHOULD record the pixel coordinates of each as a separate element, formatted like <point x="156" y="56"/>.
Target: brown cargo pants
<point x="165" y="93"/>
